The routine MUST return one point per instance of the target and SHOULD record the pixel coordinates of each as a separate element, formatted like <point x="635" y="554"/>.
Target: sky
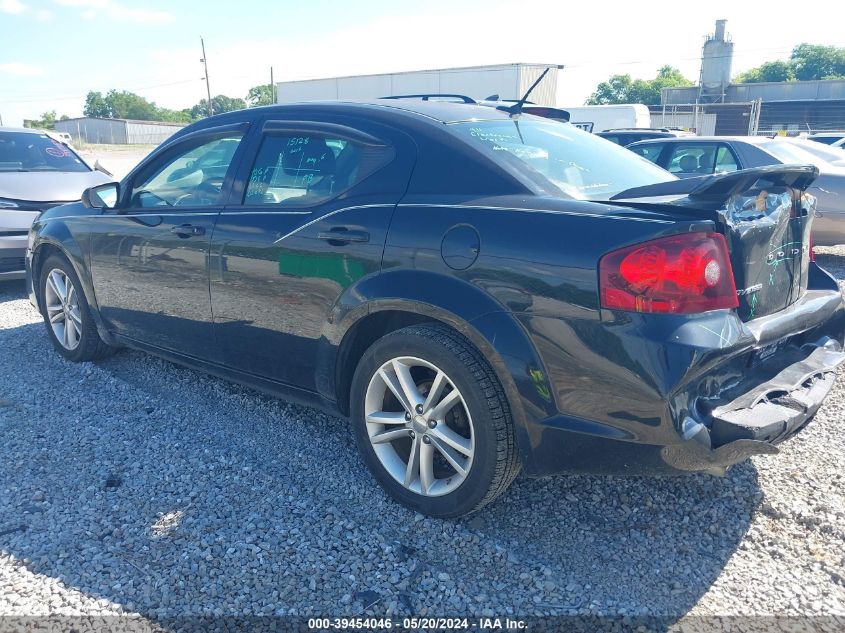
<point x="52" y="52"/>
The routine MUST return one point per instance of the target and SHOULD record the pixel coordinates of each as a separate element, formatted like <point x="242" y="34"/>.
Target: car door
<point x="149" y="255"/>
<point x="308" y="222"/>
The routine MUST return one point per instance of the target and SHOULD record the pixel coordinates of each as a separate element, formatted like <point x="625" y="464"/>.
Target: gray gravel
<point x="133" y="485"/>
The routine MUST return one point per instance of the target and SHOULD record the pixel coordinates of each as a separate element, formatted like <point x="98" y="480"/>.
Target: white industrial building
<point x="117" y="131"/>
<point x="509" y="81"/>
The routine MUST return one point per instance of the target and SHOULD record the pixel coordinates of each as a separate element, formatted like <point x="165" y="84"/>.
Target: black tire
<point x="90" y="346"/>
<point x="495" y="462"/>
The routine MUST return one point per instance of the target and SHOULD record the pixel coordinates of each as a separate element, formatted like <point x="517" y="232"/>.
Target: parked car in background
<point x="828" y="138"/>
<point x="37" y="172"/>
<point x="704" y="155"/>
<point x="626" y="136"/>
<point x="480" y="291"/>
<point x="64" y="137"/>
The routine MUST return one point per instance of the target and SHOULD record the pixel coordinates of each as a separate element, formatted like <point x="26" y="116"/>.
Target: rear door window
<point x="725" y="160"/>
<point x="303" y="169"/>
<point x="693" y="159"/>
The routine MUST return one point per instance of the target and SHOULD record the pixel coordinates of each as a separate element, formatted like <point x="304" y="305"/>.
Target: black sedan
<point x="480" y="292"/>
<point x="692" y="157"/>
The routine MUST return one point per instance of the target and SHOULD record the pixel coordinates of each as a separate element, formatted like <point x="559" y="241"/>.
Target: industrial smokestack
<point x="716" y="62"/>
<point x="720" y="30"/>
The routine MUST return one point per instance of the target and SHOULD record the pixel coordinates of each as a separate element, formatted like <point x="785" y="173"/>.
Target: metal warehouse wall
<point x="149" y="133"/>
<point x="90" y="130"/>
<point x="509" y="81"/>
<point x="117" y="131"/>
<point x="546" y="91"/>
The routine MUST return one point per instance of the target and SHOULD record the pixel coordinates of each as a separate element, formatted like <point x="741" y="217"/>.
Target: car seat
<point x="688" y="164"/>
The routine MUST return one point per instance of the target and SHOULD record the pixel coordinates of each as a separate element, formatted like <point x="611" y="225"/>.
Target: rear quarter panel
<point x="537" y="269"/>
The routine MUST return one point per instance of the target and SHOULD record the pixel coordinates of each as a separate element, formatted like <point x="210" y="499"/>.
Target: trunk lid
<point x="766" y="217"/>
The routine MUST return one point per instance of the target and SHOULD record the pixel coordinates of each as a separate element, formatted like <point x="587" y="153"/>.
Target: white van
<point x="598" y="118"/>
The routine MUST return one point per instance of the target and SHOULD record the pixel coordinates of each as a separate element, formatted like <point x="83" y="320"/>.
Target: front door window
<point x="192" y="178"/>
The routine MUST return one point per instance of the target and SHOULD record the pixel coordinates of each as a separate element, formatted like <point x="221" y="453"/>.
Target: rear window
<point x="789" y="152"/>
<point x="22" y="151"/>
<point x="560" y="158"/>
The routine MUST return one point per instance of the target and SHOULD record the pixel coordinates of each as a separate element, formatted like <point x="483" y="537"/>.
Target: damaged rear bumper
<point x="752" y="422"/>
<point x="775" y="409"/>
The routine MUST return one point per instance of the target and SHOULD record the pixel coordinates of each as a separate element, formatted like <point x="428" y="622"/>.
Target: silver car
<point x="703" y="155"/>
<point x="37" y="171"/>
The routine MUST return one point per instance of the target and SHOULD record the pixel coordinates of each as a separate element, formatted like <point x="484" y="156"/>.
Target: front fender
<point x="58" y="235"/>
<point x="494" y="331"/>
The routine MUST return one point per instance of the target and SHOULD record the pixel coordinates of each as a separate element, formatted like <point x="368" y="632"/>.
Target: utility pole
<point x="207" y="86"/>
<point x="272" y="86"/>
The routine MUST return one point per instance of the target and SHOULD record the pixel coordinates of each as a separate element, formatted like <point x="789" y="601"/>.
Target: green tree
<point x="174" y="116"/>
<point x="95" y="105"/>
<point x="46" y="122"/>
<point x="770" y="71"/>
<point x="624" y="89"/>
<point x="808" y="62"/>
<point x="120" y="105"/>
<point x="260" y="96"/>
<point x="812" y="61"/>
<point x="219" y="105"/>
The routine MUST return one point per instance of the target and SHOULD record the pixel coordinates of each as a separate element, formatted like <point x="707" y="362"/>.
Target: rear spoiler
<point x="720" y="187"/>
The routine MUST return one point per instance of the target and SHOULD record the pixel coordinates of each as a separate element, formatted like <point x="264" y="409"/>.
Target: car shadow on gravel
<point x="166" y="492"/>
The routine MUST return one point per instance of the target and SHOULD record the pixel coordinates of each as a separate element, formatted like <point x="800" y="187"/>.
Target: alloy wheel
<point x="419" y="426"/>
<point x="62" y="304"/>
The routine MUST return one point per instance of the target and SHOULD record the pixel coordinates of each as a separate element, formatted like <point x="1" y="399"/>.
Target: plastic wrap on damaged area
<point x="768" y="234"/>
<point x="764" y="207"/>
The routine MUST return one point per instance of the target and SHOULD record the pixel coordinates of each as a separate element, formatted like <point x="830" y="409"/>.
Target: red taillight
<point x="679" y="274"/>
<point x="812" y="252"/>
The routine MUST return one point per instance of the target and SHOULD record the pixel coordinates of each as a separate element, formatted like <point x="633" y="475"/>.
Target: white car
<point x="37" y="171"/>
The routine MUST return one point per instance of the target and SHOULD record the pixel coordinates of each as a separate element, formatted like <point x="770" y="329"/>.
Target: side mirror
<point x="101" y="196"/>
<point x="99" y="167"/>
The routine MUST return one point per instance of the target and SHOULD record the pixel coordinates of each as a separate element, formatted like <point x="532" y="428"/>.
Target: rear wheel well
<point x="359" y="338"/>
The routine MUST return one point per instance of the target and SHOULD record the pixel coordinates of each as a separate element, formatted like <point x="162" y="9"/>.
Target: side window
<point x="725" y="160"/>
<point x="651" y="152"/>
<point x="692" y="159"/>
<point x="612" y="139"/>
<point x="302" y="169"/>
<point x="194" y="177"/>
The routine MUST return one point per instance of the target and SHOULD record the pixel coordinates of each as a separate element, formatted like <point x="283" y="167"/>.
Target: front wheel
<point x="432" y="422"/>
<point x="66" y="313"/>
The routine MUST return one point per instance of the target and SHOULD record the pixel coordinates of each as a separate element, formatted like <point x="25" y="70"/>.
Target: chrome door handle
<point x="340" y="235"/>
<point x="187" y="230"/>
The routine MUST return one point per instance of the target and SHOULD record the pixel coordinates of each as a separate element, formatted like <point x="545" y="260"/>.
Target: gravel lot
<point x="118" y="159"/>
<point x="135" y="486"/>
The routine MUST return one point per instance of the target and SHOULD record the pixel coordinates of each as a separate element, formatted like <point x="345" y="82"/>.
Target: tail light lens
<point x="812" y="252"/>
<point x="680" y="274"/>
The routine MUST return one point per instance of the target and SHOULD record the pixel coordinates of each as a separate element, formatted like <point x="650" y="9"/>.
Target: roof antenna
<point x="516" y="108"/>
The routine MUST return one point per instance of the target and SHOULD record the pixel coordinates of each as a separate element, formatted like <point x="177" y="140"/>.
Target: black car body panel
<point x="287" y="298"/>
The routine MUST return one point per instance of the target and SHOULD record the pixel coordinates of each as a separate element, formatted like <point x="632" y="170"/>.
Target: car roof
<point x="439" y="111"/>
<point x="443" y="111"/>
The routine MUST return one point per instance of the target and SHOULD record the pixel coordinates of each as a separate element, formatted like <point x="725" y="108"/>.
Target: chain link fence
<point x="787" y="118"/>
